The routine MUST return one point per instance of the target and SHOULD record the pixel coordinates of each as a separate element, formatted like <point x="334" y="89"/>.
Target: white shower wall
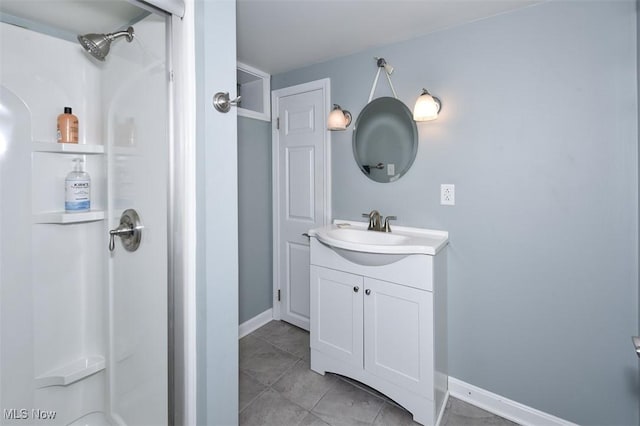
<point x="83" y="332"/>
<point x="55" y="305"/>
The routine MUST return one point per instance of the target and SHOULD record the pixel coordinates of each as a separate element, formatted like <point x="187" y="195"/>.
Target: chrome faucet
<point x="375" y="221"/>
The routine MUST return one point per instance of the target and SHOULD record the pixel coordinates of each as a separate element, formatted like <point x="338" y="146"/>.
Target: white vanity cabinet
<point x="381" y="319"/>
<point x="398" y="335"/>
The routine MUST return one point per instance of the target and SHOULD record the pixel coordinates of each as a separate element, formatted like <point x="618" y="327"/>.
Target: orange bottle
<point x="67" y="127"/>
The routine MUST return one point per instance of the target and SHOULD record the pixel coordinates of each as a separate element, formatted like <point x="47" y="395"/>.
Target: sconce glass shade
<point x="427" y="107"/>
<point x="338" y="119"/>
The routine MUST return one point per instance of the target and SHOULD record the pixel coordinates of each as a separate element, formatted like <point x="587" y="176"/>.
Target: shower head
<point x="98" y="44"/>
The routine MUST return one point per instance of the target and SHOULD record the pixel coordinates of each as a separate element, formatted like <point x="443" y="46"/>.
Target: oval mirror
<point x="385" y="139"/>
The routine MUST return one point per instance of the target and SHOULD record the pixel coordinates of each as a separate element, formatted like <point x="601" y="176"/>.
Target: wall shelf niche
<point x="67" y="148"/>
<point x="64" y="218"/>
<point x="70" y="373"/>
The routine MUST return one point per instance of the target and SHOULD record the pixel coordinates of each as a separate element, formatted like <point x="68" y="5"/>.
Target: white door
<point x="398" y="335"/>
<point x="336" y="314"/>
<point x="301" y="191"/>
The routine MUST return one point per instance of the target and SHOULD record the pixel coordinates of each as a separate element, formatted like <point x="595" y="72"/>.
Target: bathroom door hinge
<point x="278" y="127"/>
<point x="278" y="295"/>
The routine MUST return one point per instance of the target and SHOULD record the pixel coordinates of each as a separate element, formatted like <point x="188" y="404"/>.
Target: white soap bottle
<point x="77" y="188"/>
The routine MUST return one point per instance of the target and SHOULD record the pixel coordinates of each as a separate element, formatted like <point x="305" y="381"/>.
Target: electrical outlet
<point x="447" y="194"/>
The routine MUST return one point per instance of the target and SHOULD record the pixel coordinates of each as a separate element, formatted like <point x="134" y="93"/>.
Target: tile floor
<point x="278" y="388"/>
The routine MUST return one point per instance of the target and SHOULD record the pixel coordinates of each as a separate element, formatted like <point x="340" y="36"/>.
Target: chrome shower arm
<point x="128" y="34"/>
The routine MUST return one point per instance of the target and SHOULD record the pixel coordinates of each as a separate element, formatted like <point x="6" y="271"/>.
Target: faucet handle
<point x="387" y="228"/>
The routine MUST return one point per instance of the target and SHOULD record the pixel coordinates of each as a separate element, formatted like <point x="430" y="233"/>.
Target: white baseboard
<point x="255" y="323"/>
<point x="502" y="406"/>
<point x="442" y="409"/>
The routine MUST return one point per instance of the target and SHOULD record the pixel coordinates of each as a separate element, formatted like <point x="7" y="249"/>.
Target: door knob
<point x="129" y="231"/>
<point x="356" y="289"/>
<point x="222" y="103"/>
<point x="367" y="291"/>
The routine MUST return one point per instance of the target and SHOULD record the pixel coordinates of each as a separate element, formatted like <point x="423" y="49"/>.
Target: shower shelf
<point x="63" y="218"/>
<point x="67" y="148"/>
<point x="70" y="373"/>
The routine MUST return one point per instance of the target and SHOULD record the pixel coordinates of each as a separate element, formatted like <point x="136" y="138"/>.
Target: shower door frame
<point x="181" y="220"/>
<point x="181" y="207"/>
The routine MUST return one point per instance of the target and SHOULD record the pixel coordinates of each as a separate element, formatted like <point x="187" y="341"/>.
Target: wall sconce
<point x="339" y="119"/>
<point x="427" y="107"/>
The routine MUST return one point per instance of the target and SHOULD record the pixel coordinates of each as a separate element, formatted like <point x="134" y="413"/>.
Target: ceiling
<point x="72" y="17"/>
<point x="281" y="35"/>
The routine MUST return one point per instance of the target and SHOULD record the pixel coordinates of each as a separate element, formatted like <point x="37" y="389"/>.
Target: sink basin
<point x="362" y="236"/>
<point x="354" y="236"/>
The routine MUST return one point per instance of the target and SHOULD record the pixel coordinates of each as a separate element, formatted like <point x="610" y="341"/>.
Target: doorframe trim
<point x="324" y="85"/>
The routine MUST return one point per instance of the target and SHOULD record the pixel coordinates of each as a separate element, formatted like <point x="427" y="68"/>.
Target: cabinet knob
<point x="356" y="289"/>
<point x="367" y="292"/>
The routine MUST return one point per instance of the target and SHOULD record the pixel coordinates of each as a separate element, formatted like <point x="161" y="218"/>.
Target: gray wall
<point x="538" y="132"/>
<point x="254" y="217"/>
<point x="216" y="217"/>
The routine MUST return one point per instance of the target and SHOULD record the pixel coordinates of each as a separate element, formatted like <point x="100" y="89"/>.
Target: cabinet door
<point x="336" y="314"/>
<point x="398" y="335"/>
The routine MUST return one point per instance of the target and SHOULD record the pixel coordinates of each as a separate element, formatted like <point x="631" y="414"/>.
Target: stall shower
<point x="84" y="330"/>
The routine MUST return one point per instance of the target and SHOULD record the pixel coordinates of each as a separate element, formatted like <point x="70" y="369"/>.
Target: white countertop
<point x="352" y="235"/>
